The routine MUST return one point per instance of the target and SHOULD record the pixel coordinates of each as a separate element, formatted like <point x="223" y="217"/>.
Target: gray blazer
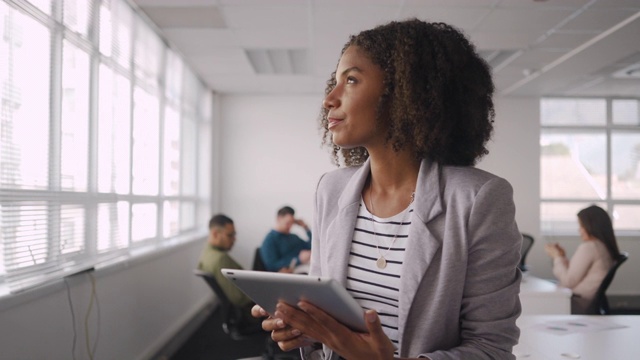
<point x="460" y="282"/>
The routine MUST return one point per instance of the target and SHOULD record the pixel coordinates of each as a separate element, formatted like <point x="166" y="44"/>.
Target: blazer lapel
<point x="422" y="245"/>
<point x="342" y="226"/>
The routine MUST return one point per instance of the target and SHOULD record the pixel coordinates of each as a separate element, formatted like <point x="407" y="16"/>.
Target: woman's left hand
<point x="317" y="324"/>
<point x="554" y="250"/>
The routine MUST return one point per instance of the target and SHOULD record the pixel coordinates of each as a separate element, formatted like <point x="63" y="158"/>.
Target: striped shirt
<point x="372" y="287"/>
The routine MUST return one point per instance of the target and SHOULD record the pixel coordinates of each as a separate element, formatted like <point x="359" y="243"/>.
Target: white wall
<point x="270" y="157"/>
<point x="142" y="306"/>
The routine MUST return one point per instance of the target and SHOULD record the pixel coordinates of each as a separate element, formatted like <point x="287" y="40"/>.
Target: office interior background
<point x="126" y="124"/>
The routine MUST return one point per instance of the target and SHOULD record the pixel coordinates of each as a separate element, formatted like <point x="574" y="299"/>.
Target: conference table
<point x="584" y="337"/>
<point x="543" y="297"/>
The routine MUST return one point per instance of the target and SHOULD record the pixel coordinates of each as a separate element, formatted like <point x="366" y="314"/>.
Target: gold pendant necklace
<point x="381" y="263"/>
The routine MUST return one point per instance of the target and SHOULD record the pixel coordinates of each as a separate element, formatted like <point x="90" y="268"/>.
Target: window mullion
<point x="162" y="101"/>
<point x="91" y="208"/>
<point x="609" y="156"/>
<point x="55" y="141"/>
<point x="132" y="84"/>
<point x="55" y="131"/>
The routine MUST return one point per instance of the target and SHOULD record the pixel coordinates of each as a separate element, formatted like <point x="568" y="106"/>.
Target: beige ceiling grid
<point x="535" y="47"/>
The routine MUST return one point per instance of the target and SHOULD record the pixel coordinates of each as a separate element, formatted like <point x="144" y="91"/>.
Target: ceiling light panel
<point x="279" y="61"/>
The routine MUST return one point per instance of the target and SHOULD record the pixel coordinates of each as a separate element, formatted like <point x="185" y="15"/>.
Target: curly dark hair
<point x="437" y="93"/>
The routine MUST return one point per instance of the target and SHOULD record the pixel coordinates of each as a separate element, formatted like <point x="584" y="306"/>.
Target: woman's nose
<point x="330" y="101"/>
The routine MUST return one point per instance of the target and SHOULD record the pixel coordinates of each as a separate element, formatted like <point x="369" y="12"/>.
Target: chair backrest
<point x="234" y="322"/>
<point x="227" y="308"/>
<point x="601" y="304"/>
<point x="527" y="243"/>
<point x="258" y="264"/>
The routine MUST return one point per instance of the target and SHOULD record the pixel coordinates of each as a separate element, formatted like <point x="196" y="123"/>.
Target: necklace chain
<point x="381" y="263"/>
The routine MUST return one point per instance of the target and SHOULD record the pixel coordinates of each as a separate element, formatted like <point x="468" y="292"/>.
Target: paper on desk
<point x="572" y="326"/>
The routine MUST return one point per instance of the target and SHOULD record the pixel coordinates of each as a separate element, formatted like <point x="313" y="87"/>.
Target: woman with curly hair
<point x="426" y="243"/>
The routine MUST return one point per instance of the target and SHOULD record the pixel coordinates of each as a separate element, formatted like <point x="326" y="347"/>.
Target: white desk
<point x="542" y="297"/>
<point x="612" y="337"/>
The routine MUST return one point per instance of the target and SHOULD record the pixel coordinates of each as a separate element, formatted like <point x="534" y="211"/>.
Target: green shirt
<point x="212" y="260"/>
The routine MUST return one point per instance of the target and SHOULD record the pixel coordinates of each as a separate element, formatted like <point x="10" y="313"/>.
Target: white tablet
<point x="267" y="288"/>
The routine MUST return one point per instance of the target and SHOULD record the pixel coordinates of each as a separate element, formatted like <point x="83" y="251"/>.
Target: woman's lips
<point x="334" y="122"/>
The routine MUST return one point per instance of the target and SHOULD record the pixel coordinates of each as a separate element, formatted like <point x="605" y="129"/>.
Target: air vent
<point x="279" y="61"/>
<point x="629" y="72"/>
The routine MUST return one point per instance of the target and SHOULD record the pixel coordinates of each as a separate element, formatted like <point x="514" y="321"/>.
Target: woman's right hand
<point x="287" y="337"/>
<point x="554" y="250"/>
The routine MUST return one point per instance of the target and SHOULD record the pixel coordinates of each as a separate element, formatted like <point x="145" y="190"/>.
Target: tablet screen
<point x="267" y="288"/>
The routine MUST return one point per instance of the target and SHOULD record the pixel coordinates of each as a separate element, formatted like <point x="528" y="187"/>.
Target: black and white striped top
<point x="375" y="288"/>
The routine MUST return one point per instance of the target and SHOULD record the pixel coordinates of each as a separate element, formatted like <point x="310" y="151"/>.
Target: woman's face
<point x="352" y="105"/>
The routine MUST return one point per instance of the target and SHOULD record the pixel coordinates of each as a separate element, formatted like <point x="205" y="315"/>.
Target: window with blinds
<point x="102" y="133"/>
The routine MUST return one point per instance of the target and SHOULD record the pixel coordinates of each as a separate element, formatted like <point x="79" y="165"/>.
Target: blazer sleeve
<point x="316" y="248"/>
<point x="490" y="304"/>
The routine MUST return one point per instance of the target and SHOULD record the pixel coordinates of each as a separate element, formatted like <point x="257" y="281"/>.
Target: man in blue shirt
<point x="283" y="251"/>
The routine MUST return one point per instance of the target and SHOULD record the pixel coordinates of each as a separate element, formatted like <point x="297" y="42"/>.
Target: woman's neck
<point x="392" y="182"/>
<point x="391" y="170"/>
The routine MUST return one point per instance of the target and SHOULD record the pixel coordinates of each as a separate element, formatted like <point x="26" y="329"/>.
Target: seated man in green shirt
<point x="215" y="256"/>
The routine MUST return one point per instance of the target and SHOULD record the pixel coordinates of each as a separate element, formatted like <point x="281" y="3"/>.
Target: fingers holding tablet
<point x="257" y="312"/>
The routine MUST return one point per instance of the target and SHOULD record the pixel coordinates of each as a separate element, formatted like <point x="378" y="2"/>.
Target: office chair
<point x="600" y="304"/>
<point x="527" y="243"/>
<point x="258" y="264"/>
<point x="233" y="322"/>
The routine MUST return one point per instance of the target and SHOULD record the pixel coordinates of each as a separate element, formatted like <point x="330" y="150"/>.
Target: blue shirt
<point x="278" y="249"/>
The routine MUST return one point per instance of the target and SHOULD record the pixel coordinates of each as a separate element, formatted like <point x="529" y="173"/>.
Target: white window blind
<point x="74" y="119"/>
<point x="24" y="117"/>
<point x="91" y="169"/>
<point x="114" y="132"/>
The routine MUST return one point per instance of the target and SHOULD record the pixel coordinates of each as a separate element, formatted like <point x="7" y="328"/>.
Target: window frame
<point x="91" y="199"/>
<point x="608" y="129"/>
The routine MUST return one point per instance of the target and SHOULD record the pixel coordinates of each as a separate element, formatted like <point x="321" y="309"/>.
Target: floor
<point x="211" y="343"/>
<point x="624" y="304"/>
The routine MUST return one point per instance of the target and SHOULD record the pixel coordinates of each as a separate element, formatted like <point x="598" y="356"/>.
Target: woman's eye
<point x="351" y="80"/>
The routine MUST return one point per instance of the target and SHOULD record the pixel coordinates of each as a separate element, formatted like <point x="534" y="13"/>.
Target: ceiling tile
<point x="611" y="87"/>
<point x="201" y="41"/>
<point x="502" y="40"/>
<point x="259" y="2"/>
<point x="186" y="17"/>
<point x="452" y="3"/>
<point x="294" y="18"/>
<point x="530" y="21"/>
<point x="224" y="61"/>
<point x="175" y="3"/>
<point x="543" y="4"/>
<point x="564" y="41"/>
<point x="598" y="19"/>
<point x="353" y="3"/>
<point x="536" y="58"/>
<point x="610" y="4"/>
<point x="464" y="18"/>
<point x="250" y="84"/>
<point x="271" y="38"/>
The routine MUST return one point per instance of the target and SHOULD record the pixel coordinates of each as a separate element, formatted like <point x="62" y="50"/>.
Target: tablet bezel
<point x="267" y="288"/>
